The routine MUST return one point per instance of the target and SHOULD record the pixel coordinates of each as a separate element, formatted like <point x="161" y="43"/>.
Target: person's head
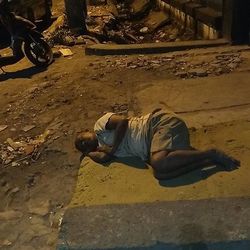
<point x="86" y="142"/>
<point x="6" y="16"/>
<point x="4" y="7"/>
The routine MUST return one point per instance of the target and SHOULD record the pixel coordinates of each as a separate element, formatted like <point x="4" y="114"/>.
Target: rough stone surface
<point x="10" y="215"/>
<point x="156" y="19"/>
<point x="159" y="225"/>
<point x="139" y="6"/>
<point x="198" y="72"/>
<point x="41" y="209"/>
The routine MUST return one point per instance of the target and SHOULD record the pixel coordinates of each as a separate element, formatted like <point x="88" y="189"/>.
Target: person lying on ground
<point x="160" y="139"/>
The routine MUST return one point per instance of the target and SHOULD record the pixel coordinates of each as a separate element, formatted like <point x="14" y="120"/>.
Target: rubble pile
<point x="179" y="65"/>
<point x="22" y="152"/>
<point x="59" y="33"/>
<point x="221" y="64"/>
<point x="122" y="27"/>
<point x="25" y="147"/>
<point x="120" y="23"/>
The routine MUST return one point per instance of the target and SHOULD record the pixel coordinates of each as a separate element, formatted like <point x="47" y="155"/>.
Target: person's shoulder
<point x="105" y="117"/>
<point x="19" y="18"/>
<point x="100" y="124"/>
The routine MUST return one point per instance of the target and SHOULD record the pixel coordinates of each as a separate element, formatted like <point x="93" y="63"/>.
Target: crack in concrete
<point x="213" y="109"/>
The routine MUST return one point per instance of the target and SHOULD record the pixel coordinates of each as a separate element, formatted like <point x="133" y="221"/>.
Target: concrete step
<point x="151" y="48"/>
<point x="216" y="224"/>
<point x="202" y="102"/>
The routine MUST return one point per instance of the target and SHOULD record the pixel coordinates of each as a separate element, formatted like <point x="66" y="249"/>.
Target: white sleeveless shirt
<point x="135" y="141"/>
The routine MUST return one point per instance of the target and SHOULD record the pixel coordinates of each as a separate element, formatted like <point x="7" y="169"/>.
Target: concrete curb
<point x="216" y="224"/>
<point x="151" y="48"/>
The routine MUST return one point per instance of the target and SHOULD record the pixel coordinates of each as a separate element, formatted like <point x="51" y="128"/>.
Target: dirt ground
<point x="65" y="99"/>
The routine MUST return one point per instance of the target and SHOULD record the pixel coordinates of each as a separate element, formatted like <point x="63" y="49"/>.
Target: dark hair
<point x="6" y="17"/>
<point x="4" y="8"/>
<point x="80" y="144"/>
<point x="4" y="4"/>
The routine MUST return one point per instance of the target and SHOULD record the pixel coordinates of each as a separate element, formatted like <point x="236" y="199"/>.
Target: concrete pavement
<point x="121" y="205"/>
<point x="178" y="225"/>
<point x="202" y="101"/>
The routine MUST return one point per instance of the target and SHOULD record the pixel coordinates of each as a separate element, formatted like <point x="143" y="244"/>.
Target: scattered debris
<point x="56" y="33"/>
<point x="15" y="145"/>
<point x="45" y="85"/>
<point x="144" y="30"/>
<point x="179" y="65"/>
<point x="66" y="52"/>
<point x="10" y="149"/>
<point x="181" y="74"/>
<point x="198" y="72"/>
<point x="57" y="25"/>
<point x="14" y="190"/>
<point x="120" y="22"/>
<point x="22" y="152"/>
<point x="120" y="108"/>
<point x="3" y="127"/>
<point x="29" y="149"/>
<point x="87" y="39"/>
<point x="28" y="128"/>
<point x="136" y="8"/>
<point x="15" y="164"/>
<point x="55" y="219"/>
<point x="155" y="20"/>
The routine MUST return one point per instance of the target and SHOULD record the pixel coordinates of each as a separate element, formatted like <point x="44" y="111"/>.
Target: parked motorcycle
<point x="36" y="49"/>
<point x="26" y="40"/>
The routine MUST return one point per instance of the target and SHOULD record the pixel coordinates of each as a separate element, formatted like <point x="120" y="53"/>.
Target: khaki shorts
<point x="168" y="132"/>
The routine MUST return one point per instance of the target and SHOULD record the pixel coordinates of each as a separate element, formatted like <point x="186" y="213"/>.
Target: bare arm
<point x="100" y="157"/>
<point x="120" y="125"/>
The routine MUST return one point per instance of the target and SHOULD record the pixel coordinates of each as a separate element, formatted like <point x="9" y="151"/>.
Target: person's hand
<point x="105" y="149"/>
<point x="100" y="157"/>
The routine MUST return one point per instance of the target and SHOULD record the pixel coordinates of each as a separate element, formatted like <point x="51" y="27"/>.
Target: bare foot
<point x="225" y="160"/>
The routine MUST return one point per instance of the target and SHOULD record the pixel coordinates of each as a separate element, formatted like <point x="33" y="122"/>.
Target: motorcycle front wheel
<point x="38" y="52"/>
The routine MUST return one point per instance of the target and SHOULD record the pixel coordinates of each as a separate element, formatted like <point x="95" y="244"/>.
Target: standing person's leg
<point x="16" y="46"/>
<point x="76" y="13"/>
<point x="85" y="8"/>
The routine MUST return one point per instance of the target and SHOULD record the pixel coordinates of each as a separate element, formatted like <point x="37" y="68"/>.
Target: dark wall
<point x="4" y="38"/>
<point x="215" y="4"/>
<point x="237" y="20"/>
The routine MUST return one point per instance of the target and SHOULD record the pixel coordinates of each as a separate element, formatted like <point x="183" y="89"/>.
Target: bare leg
<point x="17" y="54"/>
<point x="183" y="161"/>
<point x="181" y="171"/>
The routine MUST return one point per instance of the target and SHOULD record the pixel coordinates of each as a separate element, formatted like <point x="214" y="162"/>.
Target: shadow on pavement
<point x="184" y="180"/>
<point x="187" y="179"/>
<point x="24" y="73"/>
<point x="227" y="245"/>
<point x="193" y="177"/>
<point x="129" y="161"/>
<point x="132" y="162"/>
